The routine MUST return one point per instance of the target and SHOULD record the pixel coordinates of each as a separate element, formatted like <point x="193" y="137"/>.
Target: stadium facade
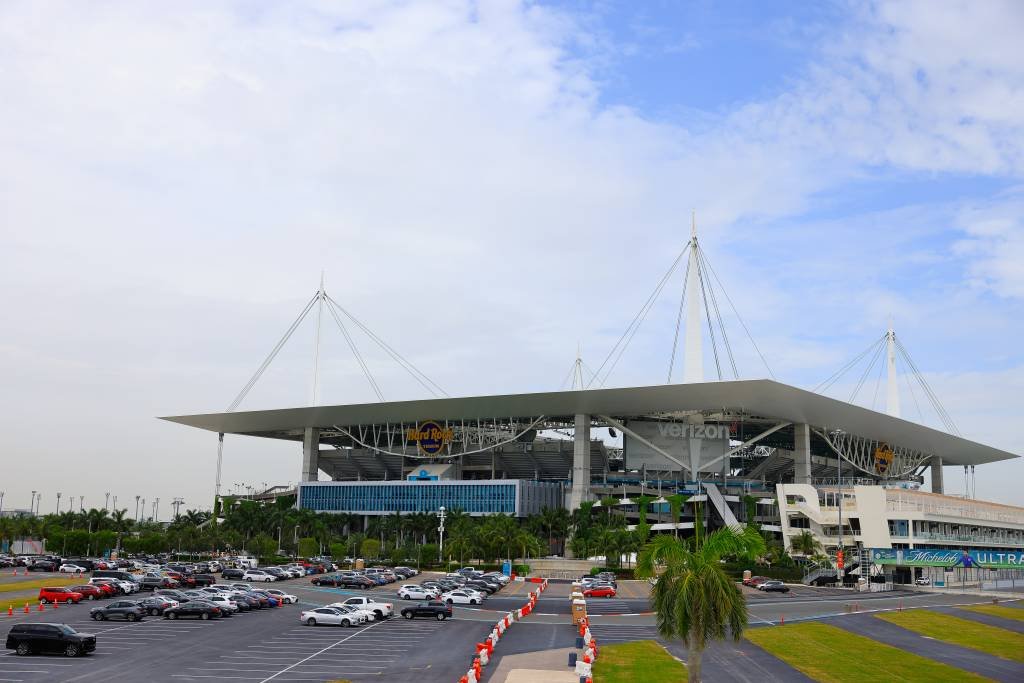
<point x="756" y="451"/>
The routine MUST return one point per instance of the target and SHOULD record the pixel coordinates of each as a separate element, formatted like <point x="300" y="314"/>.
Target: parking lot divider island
<point x="485" y="649"/>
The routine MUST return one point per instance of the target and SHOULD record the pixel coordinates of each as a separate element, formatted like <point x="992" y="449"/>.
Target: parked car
<point x="232" y="573"/>
<point x="119" y="609"/>
<point x="923" y="581"/>
<point x="414" y="592"/>
<point x="461" y="597"/>
<point x="328" y="616"/>
<point x="227" y="605"/>
<point x="89" y="591"/>
<point x="599" y="591"/>
<point x="382" y="610"/>
<point x="257" y="575"/>
<point x="204" y="580"/>
<point x="434" y="609"/>
<point x="199" y="609"/>
<point x="55" y="594"/>
<point x="156" y="605"/>
<point x="773" y="587"/>
<point x="43" y="566"/>
<point x="57" y="638"/>
<point x="109" y="587"/>
<point x="281" y="596"/>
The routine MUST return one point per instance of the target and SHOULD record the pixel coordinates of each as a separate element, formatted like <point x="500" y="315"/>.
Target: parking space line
<point x="317" y="653"/>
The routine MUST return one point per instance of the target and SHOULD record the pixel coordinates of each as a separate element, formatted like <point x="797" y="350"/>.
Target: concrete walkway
<point x="544" y="666"/>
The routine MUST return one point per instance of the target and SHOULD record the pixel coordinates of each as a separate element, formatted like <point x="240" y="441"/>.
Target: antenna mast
<point x="693" y="351"/>
<point x="321" y="296"/>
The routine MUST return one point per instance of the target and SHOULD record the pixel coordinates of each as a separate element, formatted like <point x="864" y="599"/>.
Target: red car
<point x="65" y="595"/>
<point x="109" y="588"/>
<point x="599" y="592"/>
<point x="90" y="591"/>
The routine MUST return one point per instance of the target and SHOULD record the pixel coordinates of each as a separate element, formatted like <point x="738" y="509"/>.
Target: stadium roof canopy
<point x="754" y="399"/>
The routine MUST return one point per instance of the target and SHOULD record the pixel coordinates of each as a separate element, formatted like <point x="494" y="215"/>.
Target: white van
<point x="246" y="562"/>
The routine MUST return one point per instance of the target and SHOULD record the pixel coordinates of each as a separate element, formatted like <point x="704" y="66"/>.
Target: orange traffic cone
<point x="26" y="608"/>
<point x="42" y="607"/>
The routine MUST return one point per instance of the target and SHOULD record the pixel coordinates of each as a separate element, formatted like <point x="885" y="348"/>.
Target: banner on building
<point x="673" y="438"/>
<point x="985" y="559"/>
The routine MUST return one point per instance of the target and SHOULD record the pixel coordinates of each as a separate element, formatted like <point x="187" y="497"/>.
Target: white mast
<point x="892" y="399"/>
<point x="577" y="371"/>
<point x="316" y="346"/>
<point x="693" y="353"/>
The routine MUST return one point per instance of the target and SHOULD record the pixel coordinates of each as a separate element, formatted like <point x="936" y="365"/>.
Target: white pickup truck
<point x="381" y="610"/>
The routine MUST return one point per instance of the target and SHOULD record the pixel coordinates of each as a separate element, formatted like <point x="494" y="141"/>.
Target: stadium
<point x="757" y="451"/>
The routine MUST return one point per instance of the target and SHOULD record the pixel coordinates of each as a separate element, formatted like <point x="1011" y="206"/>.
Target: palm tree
<point x="804" y="543"/>
<point x="675" y="505"/>
<point x="121" y="524"/>
<point x="694" y="599"/>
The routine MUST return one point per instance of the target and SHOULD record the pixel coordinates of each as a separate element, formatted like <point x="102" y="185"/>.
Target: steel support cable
<point x="427" y="383"/>
<point x="702" y="261"/>
<point x="946" y="418"/>
<point x="272" y="355"/>
<point x="910" y="386"/>
<point x="629" y="340"/>
<point x="867" y="371"/>
<point x="679" y="322"/>
<point x="878" y="383"/>
<point x="929" y="392"/>
<point x="736" y="312"/>
<point x="355" y="352"/>
<point x="568" y="376"/>
<point x="711" y="327"/>
<point x="834" y="377"/>
<point x="637" y="317"/>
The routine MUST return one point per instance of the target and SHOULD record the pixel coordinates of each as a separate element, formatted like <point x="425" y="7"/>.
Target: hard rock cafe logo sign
<point x="430" y="436"/>
<point x="883" y="458"/>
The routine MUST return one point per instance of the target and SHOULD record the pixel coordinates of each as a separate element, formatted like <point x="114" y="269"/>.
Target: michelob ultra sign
<point x="430" y="436"/>
<point x="985" y="559"/>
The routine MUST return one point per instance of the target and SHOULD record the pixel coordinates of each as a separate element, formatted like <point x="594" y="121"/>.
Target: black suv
<point x="58" y="638"/>
<point x="232" y="574"/>
<point x="437" y="610"/>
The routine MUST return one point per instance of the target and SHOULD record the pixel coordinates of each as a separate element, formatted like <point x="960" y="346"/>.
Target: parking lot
<point x="261" y="645"/>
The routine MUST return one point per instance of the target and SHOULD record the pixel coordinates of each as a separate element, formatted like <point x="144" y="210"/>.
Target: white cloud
<point x="174" y="180"/>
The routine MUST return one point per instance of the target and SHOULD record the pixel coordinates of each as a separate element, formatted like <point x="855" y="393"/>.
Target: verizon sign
<point x="674" y="438"/>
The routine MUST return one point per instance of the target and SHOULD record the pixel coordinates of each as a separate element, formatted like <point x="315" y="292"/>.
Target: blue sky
<point x="487" y="185"/>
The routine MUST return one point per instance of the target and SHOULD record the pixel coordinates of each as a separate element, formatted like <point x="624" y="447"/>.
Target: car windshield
<point x="66" y="630"/>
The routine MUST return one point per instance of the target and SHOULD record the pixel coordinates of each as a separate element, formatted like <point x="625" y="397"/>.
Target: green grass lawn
<point x="1014" y="613"/>
<point x="990" y="639"/>
<point x="642" y="660"/>
<point x="36" y="584"/>
<point x="830" y="654"/>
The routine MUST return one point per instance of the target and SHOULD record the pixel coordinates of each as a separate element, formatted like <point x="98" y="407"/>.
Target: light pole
<point x="440" y="530"/>
<point x="32" y="503"/>
<point x="137" y="508"/>
<point x="106" y="505"/>
<point x="143" y="508"/>
<point x="156" y="510"/>
<point x="39" y="501"/>
<point x="58" y="502"/>
<point x="1" y="501"/>
<point x="115" y="503"/>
